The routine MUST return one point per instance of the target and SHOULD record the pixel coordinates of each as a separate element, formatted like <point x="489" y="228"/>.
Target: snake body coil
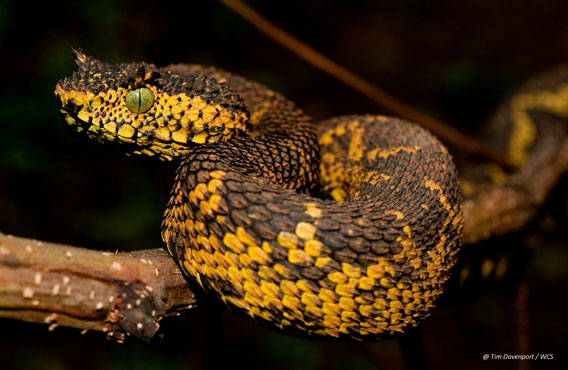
<point x="365" y="259"/>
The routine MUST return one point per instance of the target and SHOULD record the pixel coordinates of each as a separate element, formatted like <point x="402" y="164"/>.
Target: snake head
<point x="147" y="109"/>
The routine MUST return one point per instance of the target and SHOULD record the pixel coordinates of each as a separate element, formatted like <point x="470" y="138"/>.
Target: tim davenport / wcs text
<point x="506" y="356"/>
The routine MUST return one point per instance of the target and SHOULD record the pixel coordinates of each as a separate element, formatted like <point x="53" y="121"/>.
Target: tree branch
<point x="123" y="294"/>
<point x="506" y="208"/>
<point x="382" y="98"/>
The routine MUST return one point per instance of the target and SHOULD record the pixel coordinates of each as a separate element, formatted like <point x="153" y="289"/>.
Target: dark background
<point x="454" y="59"/>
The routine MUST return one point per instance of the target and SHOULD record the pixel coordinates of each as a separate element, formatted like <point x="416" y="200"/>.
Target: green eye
<point x="140" y="100"/>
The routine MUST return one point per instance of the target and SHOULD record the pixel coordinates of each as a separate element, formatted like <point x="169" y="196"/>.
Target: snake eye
<point x="140" y="100"/>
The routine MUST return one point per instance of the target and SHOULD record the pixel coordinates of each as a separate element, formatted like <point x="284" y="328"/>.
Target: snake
<point x="344" y="230"/>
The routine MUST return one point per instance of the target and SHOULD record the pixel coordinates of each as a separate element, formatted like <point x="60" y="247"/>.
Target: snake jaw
<point x="74" y="107"/>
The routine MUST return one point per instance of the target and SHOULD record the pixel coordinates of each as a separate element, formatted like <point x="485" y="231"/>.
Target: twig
<point x="379" y="96"/>
<point x="124" y="294"/>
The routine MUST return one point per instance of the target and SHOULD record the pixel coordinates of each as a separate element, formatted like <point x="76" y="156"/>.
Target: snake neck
<point x="280" y="156"/>
<point x="281" y="145"/>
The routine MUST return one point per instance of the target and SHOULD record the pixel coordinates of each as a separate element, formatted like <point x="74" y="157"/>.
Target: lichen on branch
<point x="120" y="294"/>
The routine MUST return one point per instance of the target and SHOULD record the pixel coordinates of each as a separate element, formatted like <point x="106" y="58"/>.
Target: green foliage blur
<point x="455" y="60"/>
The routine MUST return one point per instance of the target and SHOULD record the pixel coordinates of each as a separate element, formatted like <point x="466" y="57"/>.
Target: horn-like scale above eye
<point x="140" y="100"/>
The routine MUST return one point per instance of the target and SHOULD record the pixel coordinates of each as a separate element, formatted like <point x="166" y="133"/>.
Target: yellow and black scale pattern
<point x="534" y="116"/>
<point x="348" y="231"/>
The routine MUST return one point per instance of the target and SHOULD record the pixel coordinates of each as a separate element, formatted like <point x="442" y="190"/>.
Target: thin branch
<point x="124" y="294"/>
<point x="379" y="96"/>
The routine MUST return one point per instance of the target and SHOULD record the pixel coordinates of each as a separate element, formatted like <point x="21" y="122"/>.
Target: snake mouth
<point x="70" y="113"/>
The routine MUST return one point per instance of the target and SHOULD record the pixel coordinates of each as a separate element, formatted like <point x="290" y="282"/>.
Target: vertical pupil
<point x="139" y="93"/>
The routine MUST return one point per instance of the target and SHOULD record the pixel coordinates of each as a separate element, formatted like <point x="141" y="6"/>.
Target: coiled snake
<point x="345" y="230"/>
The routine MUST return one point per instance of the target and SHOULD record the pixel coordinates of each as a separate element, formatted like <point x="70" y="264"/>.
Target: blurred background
<point x="454" y="60"/>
